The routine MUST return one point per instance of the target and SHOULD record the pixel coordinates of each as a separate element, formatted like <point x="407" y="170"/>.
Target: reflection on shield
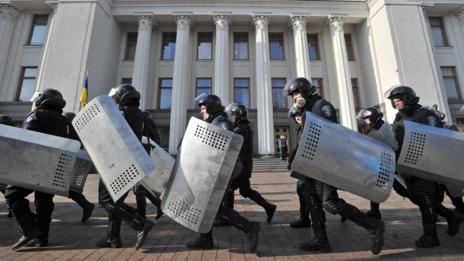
<point x="345" y="159"/>
<point x="37" y="161"/>
<point x="118" y="155"/>
<point x="432" y="153"/>
<point x="156" y="181"/>
<point x="82" y="167"/>
<point x="201" y="174"/>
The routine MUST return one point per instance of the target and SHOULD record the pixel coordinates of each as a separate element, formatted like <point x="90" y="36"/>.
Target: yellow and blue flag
<point x="84" y="93"/>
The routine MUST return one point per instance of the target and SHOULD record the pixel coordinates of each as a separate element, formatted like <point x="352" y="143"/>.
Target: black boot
<point x="453" y="223"/>
<point x="253" y="237"/>
<point x="142" y="235"/>
<point x="113" y="237"/>
<point x="427" y="241"/>
<point x="221" y="222"/>
<point x="28" y="228"/>
<point x="429" y="218"/>
<point x="140" y="201"/>
<point x="203" y="241"/>
<point x="256" y="197"/>
<point x="374" y="212"/>
<point x="270" y="211"/>
<point x="87" y="207"/>
<point x="375" y="227"/>
<point x="320" y="242"/>
<point x="87" y="212"/>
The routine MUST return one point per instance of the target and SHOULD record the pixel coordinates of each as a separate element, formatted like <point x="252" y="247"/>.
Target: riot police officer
<point x="6" y="120"/>
<point x="303" y="93"/>
<point x="421" y="192"/>
<point x="46" y="118"/>
<point x="301" y="190"/>
<point x="212" y="111"/>
<point x="79" y="198"/>
<point x="128" y="100"/>
<point x="237" y="114"/>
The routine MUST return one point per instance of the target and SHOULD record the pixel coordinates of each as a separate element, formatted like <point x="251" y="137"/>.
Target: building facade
<point x="242" y="51"/>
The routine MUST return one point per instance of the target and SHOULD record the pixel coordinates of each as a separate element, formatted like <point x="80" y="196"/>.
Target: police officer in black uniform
<point x="128" y="100"/>
<point x="79" y="198"/>
<point x="421" y="192"/>
<point x="46" y="118"/>
<point x="6" y="120"/>
<point x="301" y="190"/>
<point x="237" y="114"/>
<point x="303" y="93"/>
<point x="212" y="111"/>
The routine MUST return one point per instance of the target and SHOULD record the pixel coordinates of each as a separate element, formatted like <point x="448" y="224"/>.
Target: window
<point x="276" y="46"/>
<point x="240" y="45"/>
<point x="319" y="85"/>
<point x="204" y="85"/>
<point x="205" y="46"/>
<point x="168" y="50"/>
<point x="438" y="31"/>
<point x="27" y="83"/>
<point x="313" y="47"/>
<point x="39" y="30"/>
<point x="278" y="99"/>
<point x="355" y="86"/>
<point x="165" y="93"/>
<point x="451" y="84"/>
<point x="242" y="91"/>
<point x="349" y="47"/>
<point x="126" y="81"/>
<point x="460" y="124"/>
<point x="131" y="45"/>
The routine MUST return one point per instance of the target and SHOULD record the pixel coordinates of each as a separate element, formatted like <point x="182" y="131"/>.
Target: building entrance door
<point x="282" y="132"/>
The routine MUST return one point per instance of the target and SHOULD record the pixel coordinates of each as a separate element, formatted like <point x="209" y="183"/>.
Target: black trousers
<point x="244" y="186"/>
<point x="27" y="220"/>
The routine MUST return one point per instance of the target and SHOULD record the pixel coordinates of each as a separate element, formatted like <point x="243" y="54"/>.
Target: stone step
<point x="269" y="165"/>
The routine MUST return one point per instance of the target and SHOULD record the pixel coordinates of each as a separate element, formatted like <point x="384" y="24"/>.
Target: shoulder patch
<point x="31" y="118"/>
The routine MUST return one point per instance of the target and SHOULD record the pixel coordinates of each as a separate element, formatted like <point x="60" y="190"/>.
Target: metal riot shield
<point x="118" y="155"/>
<point x="345" y="159"/>
<point x="432" y="153"/>
<point x="164" y="163"/>
<point x="201" y="175"/>
<point x="385" y="134"/>
<point x="37" y="161"/>
<point x="82" y="167"/>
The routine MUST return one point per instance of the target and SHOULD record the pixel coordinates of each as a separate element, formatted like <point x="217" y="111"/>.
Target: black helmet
<point x="212" y="102"/>
<point x="69" y="115"/>
<point x="48" y="97"/>
<point x="404" y="93"/>
<point x="372" y="113"/>
<point x="237" y="110"/>
<point x="124" y="93"/>
<point x="5" y="120"/>
<point x="302" y="85"/>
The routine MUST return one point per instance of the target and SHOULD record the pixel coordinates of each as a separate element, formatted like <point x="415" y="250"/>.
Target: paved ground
<point x="72" y="240"/>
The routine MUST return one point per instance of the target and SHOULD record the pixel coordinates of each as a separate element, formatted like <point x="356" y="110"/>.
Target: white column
<point x="7" y="21"/>
<point x="221" y="56"/>
<point x="301" y="47"/>
<point x="460" y="15"/>
<point x="263" y="88"/>
<point x="180" y="84"/>
<point x="345" y="90"/>
<point x="142" y="58"/>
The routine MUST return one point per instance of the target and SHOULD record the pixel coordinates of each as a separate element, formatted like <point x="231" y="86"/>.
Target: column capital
<point x="298" y="23"/>
<point x="146" y="20"/>
<point x="460" y="14"/>
<point x="183" y="22"/>
<point x="8" y="13"/>
<point x="221" y="21"/>
<point x="336" y="24"/>
<point x="261" y="21"/>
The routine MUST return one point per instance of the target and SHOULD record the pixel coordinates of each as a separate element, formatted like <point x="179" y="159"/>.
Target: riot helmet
<point x="212" y="102"/>
<point x="124" y="93"/>
<point x="371" y="113"/>
<point x="301" y="85"/>
<point x="48" y="98"/>
<point x="404" y="93"/>
<point x="237" y="112"/>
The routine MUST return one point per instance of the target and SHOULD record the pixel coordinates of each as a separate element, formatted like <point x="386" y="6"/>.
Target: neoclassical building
<point x="241" y="50"/>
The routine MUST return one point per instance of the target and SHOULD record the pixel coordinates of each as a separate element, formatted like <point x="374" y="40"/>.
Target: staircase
<point x="269" y="165"/>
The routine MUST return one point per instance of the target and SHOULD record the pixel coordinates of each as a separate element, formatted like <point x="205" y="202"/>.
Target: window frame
<point x="351" y="47"/>
<point x="283" y="46"/>
<point x="160" y="87"/>
<point x="247" y="48"/>
<point x="443" y="31"/>
<point x="249" y="91"/>
<point x="318" y="49"/>
<point x="211" y="34"/>
<point x="456" y="82"/>
<point x="358" y="96"/>
<point x="22" y="78"/>
<point x="285" y="98"/>
<point x="127" y="46"/>
<point x="162" y="45"/>
<point x="197" y="87"/>
<point x="31" y="33"/>
<point x="321" y="85"/>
